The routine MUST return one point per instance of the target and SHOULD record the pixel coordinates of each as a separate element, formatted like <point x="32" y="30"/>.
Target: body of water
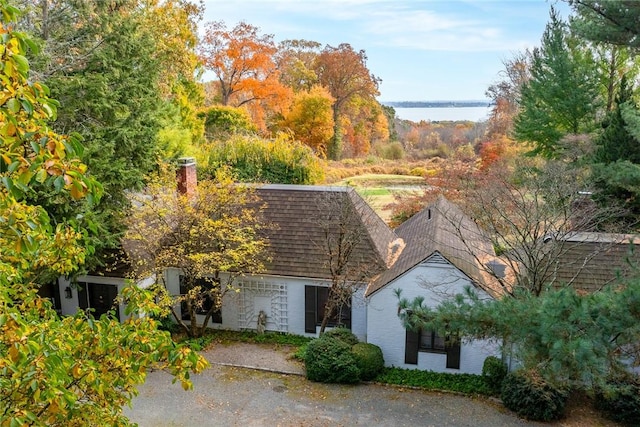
<point x="474" y="114"/>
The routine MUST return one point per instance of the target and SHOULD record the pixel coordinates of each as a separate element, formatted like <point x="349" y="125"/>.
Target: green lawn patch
<point x="220" y="336"/>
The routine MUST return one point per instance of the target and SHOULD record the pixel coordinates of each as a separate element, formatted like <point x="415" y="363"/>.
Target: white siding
<point x="435" y="282"/>
<point x="235" y="316"/>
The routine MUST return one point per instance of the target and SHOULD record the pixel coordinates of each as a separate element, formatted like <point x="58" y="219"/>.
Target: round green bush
<point x="342" y="334"/>
<point x="369" y="360"/>
<point x="329" y="360"/>
<point x="531" y="397"/>
<point x="493" y="371"/>
<point x="620" y="400"/>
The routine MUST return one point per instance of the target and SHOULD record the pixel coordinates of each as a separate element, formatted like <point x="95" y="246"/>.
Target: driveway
<point x="238" y="396"/>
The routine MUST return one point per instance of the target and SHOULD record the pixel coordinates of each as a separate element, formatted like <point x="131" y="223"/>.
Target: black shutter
<point x="453" y="355"/>
<point x="83" y="298"/>
<point x="411" y="345"/>
<point x="310" y="309"/>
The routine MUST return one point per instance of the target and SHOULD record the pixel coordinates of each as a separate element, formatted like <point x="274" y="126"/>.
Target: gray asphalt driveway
<point x="231" y="396"/>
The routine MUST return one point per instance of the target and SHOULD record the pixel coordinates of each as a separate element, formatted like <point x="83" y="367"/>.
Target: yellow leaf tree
<point x="212" y="237"/>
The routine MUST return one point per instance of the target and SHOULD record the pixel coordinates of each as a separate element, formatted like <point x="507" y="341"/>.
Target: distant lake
<point x="474" y="114"/>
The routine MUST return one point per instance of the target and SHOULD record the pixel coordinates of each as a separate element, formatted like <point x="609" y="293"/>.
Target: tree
<point x="345" y="218"/>
<point x="58" y="371"/>
<point x="295" y="60"/>
<point x="613" y="22"/>
<point x="101" y="64"/>
<point x="505" y="94"/>
<point x="224" y="121"/>
<point x="344" y="72"/>
<point x="561" y="97"/>
<point x="571" y="339"/>
<point x="310" y="118"/>
<point x="243" y="63"/>
<point x="278" y="160"/>
<point x="212" y="237"/>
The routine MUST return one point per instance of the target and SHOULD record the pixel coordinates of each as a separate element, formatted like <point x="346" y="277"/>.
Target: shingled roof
<point x="439" y="229"/>
<point x="303" y="213"/>
<point x="589" y="261"/>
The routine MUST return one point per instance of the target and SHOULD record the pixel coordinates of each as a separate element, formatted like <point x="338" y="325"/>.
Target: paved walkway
<point x="234" y="396"/>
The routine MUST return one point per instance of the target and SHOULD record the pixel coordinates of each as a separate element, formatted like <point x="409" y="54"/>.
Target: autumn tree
<point x="310" y="118"/>
<point x="212" y="236"/>
<point x="243" y="62"/>
<point x="561" y="97"/>
<point x="296" y="61"/>
<point x="505" y="94"/>
<point x="344" y="72"/>
<point x="59" y="371"/>
<point x="344" y="218"/>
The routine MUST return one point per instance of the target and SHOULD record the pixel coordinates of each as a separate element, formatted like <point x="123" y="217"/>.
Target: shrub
<point x="429" y="380"/>
<point x="342" y="334"/>
<point x="253" y="159"/>
<point x="418" y="171"/>
<point x="493" y="371"/>
<point x="528" y="395"/>
<point x="369" y="360"/>
<point x="329" y="360"/>
<point x="620" y="400"/>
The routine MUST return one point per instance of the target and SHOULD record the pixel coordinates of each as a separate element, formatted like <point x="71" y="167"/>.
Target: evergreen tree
<point x="561" y="97"/>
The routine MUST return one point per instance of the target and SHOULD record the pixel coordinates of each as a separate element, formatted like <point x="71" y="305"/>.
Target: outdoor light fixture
<point x="67" y="292"/>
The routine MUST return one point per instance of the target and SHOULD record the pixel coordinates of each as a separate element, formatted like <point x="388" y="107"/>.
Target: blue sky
<point x="421" y="49"/>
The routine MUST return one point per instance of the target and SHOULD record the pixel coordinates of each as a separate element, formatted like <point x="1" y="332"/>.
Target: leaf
<point x="13" y="105"/>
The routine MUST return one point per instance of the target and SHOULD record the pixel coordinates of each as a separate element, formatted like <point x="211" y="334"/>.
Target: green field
<point x="379" y="189"/>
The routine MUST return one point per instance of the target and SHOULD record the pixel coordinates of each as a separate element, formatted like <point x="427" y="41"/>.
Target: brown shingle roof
<point x="438" y="228"/>
<point x="590" y="261"/>
<point x="303" y="213"/>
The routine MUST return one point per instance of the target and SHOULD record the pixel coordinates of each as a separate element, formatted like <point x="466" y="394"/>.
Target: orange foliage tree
<point x="343" y="71"/>
<point x="243" y="63"/>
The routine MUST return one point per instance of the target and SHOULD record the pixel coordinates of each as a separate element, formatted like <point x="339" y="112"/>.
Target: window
<point x="209" y="302"/>
<point x="430" y="342"/>
<point x="315" y="301"/>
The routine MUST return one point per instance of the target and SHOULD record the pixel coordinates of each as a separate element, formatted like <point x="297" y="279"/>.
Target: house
<point x="589" y="261"/>
<point x="435" y="254"/>
<point x="435" y="264"/>
<point x="293" y="289"/>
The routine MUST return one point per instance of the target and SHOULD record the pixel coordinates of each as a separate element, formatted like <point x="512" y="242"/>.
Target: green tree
<point x="571" y="339"/>
<point x="614" y="22"/>
<point x="101" y="64"/>
<point x="212" y="237"/>
<point x="615" y="165"/>
<point x="75" y="370"/>
<point x="222" y="121"/>
<point x="561" y="96"/>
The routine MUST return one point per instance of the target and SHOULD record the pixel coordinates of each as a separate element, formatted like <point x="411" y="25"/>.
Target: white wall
<point x="280" y="297"/>
<point x="435" y="282"/>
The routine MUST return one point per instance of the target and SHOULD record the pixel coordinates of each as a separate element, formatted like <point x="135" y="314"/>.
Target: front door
<point x="102" y="298"/>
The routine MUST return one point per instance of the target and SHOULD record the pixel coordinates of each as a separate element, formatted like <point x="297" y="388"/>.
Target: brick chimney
<point x="186" y="176"/>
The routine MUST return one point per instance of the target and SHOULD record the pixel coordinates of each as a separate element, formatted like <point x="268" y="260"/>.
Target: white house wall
<point x="434" y="282"/>
<point x="281" y="298"/>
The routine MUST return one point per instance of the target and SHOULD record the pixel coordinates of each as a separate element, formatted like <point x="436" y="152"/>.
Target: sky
<point x="423" y="50"/>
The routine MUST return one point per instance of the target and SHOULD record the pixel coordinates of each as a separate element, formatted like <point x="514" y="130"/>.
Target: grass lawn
<point x="379" y="189"/>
